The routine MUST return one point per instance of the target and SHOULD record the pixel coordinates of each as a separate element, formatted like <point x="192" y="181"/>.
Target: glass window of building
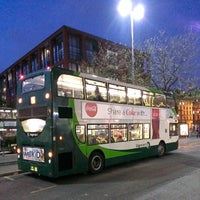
<point x="10" y="79"/>
<point x="58" y="49"/>
<point x="74" y="47"/>
<point x="18" y="71"/>
<point x="91" y="49"/>
<point x="34" y="62"/>
<point x="45" y="56"/>
<point x="74" y="67"/>
<point x="25" y="67"/>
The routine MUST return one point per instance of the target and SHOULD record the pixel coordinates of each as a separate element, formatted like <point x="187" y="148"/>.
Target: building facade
<point x="189" y="112"/>
<point x="74" y="50"/>
<point x="7" y="127"/>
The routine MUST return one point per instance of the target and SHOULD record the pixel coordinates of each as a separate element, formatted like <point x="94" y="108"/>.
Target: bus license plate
<point x="34" y="169"/>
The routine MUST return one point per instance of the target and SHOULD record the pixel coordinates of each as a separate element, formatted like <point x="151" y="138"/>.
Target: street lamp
<point x="125" y="7"/>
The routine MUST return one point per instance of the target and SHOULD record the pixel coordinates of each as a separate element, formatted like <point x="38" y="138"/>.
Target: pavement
<point x="8" y="162"/>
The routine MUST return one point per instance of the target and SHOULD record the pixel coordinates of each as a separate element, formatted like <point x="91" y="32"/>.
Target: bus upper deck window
<point x="33" y="84"/>
<point x="70" y="86"/>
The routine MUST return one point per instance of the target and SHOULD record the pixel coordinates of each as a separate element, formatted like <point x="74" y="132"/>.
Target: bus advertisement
<point x="71" y="122"/>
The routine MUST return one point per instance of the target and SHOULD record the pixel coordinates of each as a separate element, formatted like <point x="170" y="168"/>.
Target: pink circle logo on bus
<point x="91" y="109"/>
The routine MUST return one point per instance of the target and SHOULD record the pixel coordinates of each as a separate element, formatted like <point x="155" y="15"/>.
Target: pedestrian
<point x="1" y="142"/>
<point x="198" y="131"/>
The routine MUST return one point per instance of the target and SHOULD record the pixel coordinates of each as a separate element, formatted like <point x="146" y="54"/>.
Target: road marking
<point x="43" y="189"/>
<point x="9" y="178"/>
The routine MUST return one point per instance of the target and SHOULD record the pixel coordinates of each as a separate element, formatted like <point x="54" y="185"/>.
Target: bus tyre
<point x="161" y="149"/>
<point x="96" y="162"/>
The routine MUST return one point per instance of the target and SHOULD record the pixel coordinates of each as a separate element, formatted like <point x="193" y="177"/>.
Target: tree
<point x="174" y="60"/>
<point x="114" y="61"/>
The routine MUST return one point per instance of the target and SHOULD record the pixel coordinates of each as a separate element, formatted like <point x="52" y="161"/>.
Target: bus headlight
<point x="47" y="96"/>
<point x="33" y="125"/>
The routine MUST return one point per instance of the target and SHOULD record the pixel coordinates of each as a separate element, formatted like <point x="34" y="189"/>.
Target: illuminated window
<point x="135" y="132"/>
<point x="96" y="90"/>
<point x="118" y="132"/>
<point x="70" y="86"/>
<point x="134" y="96"/>
<point x="80" y="133"/>
<point x="117" y="94"/>
<point x="97" y="133"/>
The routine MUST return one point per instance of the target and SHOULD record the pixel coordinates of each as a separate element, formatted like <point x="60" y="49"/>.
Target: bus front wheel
<point x="96" y="162"/>
<point x="161" y="149"/>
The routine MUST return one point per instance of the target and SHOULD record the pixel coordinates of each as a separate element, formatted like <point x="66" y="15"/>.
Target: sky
<point x="26" y="23"/>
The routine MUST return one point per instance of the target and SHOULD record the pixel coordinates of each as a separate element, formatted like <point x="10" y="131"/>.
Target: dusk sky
<point x="26" y="23"/>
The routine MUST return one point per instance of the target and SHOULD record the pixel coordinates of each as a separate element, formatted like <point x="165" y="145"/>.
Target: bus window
<point x="173" y="129"/>
<point x="96" y="90"/>
<point x="117" y="94"/>
<point x="170" y="102"/>
<point x="33" y="84"/>
<point x="134" y="96"/>
<point x="148" y="98"/>
<point x="146" y="131"/>
<point x="80" y="133"/>
<point x="97" y="133"/>
<point x="118" y="132"/>
<point x="70" y="86"/>
<point x="160" y="100"/>
<point x="135" y="131"/>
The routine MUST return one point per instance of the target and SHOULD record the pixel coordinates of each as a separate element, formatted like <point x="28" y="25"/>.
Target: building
<point x="74" y="50"/>
<point x="7" y="127"/>
<point x="189" y="112"/>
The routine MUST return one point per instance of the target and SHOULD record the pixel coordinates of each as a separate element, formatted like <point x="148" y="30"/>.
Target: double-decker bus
<point x="71" y="122"/>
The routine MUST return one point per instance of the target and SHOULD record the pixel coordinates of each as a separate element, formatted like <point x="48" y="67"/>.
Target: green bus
<point x="70" y="122"/>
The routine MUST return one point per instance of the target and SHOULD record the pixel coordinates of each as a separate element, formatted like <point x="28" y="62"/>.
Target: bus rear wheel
<point x="161" y="149"/>
<point x="96" y="162"/>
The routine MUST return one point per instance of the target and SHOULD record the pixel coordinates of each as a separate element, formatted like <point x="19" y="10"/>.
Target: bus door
<point x="81" y="146"/>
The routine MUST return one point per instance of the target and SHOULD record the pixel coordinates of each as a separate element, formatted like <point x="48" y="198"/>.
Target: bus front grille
<point x="32" y="112"/>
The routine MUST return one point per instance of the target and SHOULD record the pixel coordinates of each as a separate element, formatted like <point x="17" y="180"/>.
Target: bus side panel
<point x="172" y="146"/>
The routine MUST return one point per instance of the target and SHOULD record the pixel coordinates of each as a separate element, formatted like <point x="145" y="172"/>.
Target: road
<point x="174" y="176"/>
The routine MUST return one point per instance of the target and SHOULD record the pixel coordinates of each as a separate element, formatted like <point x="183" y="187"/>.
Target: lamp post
<point x="125" y="7"/>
